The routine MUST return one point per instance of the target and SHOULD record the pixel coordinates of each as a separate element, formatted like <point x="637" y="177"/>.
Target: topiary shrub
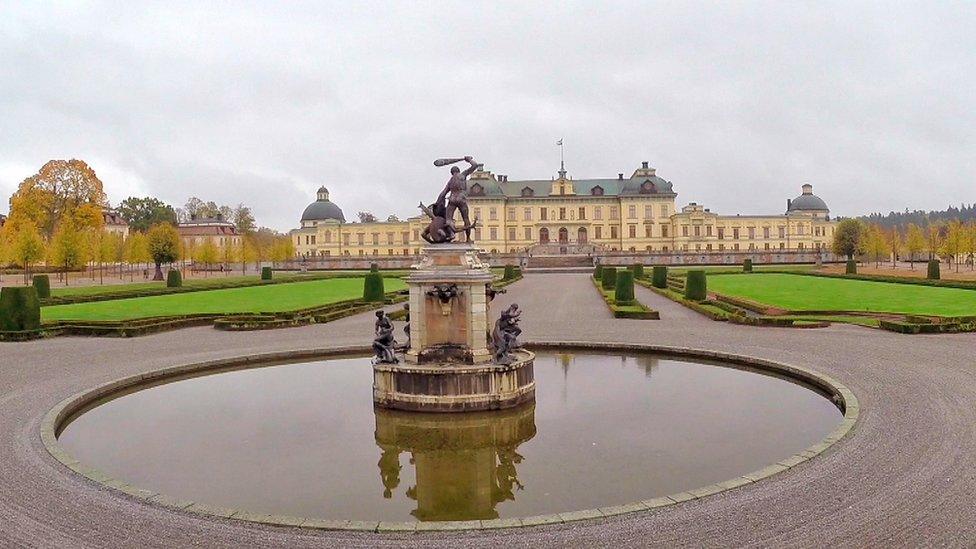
<point x="934" y="273"/>
<point x="174" y="279"/>
<point x="43" y="286"/>
<point x="266" y="273"/>
<point x="598" y="272"/>
<point x="638" y="269"/>
<point x="624" y="289"/>
<point x="20" y="309"/>
<point x="609" y="278"/>
<point x="373" y="287"/>
<point x="374" y="268"/>
<point x="509" y="272"/>
<point x="659" y="277"/>
<point x="747" y="266"/>
<point x="695" y="288"/>
<point x="851" y="267"/>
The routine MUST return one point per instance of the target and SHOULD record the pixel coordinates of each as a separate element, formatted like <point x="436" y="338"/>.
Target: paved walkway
<point x="906" y="475"/>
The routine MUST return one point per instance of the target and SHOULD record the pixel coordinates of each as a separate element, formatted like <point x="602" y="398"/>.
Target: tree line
<point x="953" y="241"/>
<point x="56" y="218"/>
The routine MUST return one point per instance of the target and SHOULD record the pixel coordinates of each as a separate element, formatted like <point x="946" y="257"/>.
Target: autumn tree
<point x="4" y="250"/>
<point x="207" y="254"/>
<point x="142" y="213"/>
<point x="914" y="242"/>
<point x="28" y="247"/>
<point x="228" y="255"/>
<point x="67" y="248"/>
<point x="955" y="242"/>
<point x="895" y="243"/>
<point x="249" y="253"/>
<point x="164" y="246"/>
<point x="875" y="244"/>
<point x="934" y="236"/>
<point x="849" y="238"/>
<point x="63" y="190"/>
<point x="137" y="250"/>
<point x="972" y="245"/>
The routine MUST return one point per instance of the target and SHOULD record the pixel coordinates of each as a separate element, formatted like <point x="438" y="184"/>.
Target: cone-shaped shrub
<point x="373" y="287"/>
<point x="638" y="269"/>
<point x="659" y="276"/>
<point x="19" y="309"/>
<point x="747" y="266"/>
<point x="374" y="268"/>
<point x="934" y="273"/>
<point x="509" y="272"/>
<point x="695" y="288"/>
<point x="265" y="273"/>
<point x="174" y="279"/>
<point x="598" y="272"/>
<point x="608" y="278"/>
<point x="851" y="267"/>
<point x="43" y="286"/>
<point x="624" y="291"/>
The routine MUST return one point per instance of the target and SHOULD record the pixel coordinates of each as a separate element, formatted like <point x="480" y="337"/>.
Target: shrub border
<point x="646" y="314"/>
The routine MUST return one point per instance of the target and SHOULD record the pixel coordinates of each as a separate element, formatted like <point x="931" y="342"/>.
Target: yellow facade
<point x="563" y="215"/>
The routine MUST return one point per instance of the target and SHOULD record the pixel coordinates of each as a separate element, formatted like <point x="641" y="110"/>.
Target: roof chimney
<point x="620" y="176"/>
<point x="788" y="204"/>
<point x="644" y="164"/>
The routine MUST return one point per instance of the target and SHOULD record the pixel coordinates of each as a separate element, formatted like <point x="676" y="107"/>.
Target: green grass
<point x="253" y="299"/>
<point x="809" y="293"/>
<point x="721" y="269"/>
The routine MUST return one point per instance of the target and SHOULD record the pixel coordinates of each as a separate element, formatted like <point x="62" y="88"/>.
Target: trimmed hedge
<point x="659" y="276"/>
<point x="43" y="286"/>
<point x="638" y="269"/>
<point x="509" y="272"/>
<point x="624" y="288"/>
<point x="609" y="278"/>
<point x="598" y="272"/>
<point x="634" y="310"/>
<point x="695" y="286"/>
<point x="20" y="309"/>
<point x="851" y="267"/>
<point x="266" y="273"/>
<point x="747" y="266"/>
<point x="174" y="279"/>
<point x="934" y="273"/>
<point x="374" y="267"/>
<point x="373" y="287"/>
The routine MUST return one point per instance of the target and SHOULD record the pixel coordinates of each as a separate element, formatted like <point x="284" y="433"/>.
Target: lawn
<point x="812" y="293"/>
<point x="682" y="269"/>
<point x="253" y="299"/>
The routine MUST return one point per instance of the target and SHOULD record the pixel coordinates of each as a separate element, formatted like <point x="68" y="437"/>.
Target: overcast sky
<point x="736" y="103"/>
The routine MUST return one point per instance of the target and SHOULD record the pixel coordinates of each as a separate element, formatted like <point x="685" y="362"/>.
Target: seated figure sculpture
<point x="504" y="337"/>
<point x="384" y="344"/>
<point x="441" y="229"/>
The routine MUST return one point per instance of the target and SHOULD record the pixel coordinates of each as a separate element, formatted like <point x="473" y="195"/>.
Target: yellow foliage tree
<point x="895" y="244"/>
<point x="933" y="239"/>
<point x="955" y="243"/>
<point x="914" y="242"/>
<point x="228" y="255"/>
<point x="67" y="248"/>
<point x="207" y="254"/>
<point x="876" y="245"/>
<point x="163" y="242"/>
<point x="63" y="190"/>
<point x="28" y="247"/>
<point x="136" y="250"/>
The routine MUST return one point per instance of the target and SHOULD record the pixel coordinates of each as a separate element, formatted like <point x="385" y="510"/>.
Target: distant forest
<point x="963" y="213"/>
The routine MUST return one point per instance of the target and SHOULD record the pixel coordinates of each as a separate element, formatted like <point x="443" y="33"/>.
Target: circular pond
<point x="303" y="439"/>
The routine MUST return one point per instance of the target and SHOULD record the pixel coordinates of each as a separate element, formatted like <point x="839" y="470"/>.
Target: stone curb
<point x="57" y="418"/>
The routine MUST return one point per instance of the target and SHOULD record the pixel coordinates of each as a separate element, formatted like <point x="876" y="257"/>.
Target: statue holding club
<point x="455" y="194"/>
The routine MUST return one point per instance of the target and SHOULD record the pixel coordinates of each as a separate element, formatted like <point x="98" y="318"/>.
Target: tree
<point x="67" y="248"/>
<point x="105" y="253"/>
<point x="207" y="254"/>
<point x="972" y="245"/>
<point x="243" y="219"/>
<point x="164" y="246"/>
<point x="228" y="255"/>
<point x="63" y="190"/>
<point x="4" y="250"/>
<point x="933" y="239"/>
<point x="849" y="237"/>
<point x="137" y="250"/>
<point x="142" y="213"/>
<point x="955" y="242"/>
<point x="249" y="252"/>
<point x="875" y="244"/>
<point x="914" y="242"/>
<point x="393" y="219"/>
<point x="28" y="247"/>
<point x="366" y="217"/>
<point x="895" y="243"/>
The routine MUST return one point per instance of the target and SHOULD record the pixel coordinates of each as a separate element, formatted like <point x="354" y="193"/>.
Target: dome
<point x="323" y="209"/>
<point x="807" y="202"/>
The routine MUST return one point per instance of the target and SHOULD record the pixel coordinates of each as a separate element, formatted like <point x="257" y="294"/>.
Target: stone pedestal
<point x="449" y="366"/>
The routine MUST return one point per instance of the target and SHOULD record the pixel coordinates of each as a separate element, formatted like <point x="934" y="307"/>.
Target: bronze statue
<point x="456" y="193"/>
<point x="384" y="343"/>
<point x="440" y="229"/>
<point x="504" y="337"/>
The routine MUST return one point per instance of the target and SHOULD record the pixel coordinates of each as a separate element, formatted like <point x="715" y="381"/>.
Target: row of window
<point x="800" y="231"/>
<point x="572" y="214"/>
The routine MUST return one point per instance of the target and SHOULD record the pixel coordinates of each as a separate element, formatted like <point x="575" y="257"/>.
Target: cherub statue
<point x="384" y="343"/>
<point x="504" y="337"/>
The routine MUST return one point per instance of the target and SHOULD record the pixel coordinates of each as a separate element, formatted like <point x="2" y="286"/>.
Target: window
<point x="416" y="234"/>
<point x="389" y="239"/>
<point x="477" y="233"/>
<point x="684" y="230"/>
<point x="632" y="212"/>
<point x="614" y="213"/>
<point x="782" y="245"/>
<point x="697" y="230"/>
<point x="766" y="232"/>
<point x="511" y="214"/>
<point x="708" y="247"/>
<point x="493" y="232"/>
<point x="648" y="211"/>
<point x="648" y="233"/>
<point x="389" y="251"/>
<point x="376" y="252"/>
<point x="613" y="231"/>
<point x="406" y="251"/>
<point x="360" y="237"/>
<point x="313" y="239"/>
<point x="528" y="233"/>
<point x="562" y="213"/>
<point x="632" y="231"/>
<point x="799" y="229"/>
<point x="752" y="233"/>
<point x="477" y="213"/>
<point x="527" y="214"/>
<point x="492" y="214"/>
<point x="721" y="247"/>
<point x="735" y="247"/>
<point x="376" y="238"/>
<point x="598" y="213"/>
<point x="582" y="212"/>
<point x="735" y="236"/>
<point x="664" y="248"/>
<point x="766" y="245"/>
<point x="511" y="233"/>
<point x="721" y="233"/>
<point x="345" y="240"/>
<point x="664" y="232"/>
<point x="664" y="210"/>
<point x="782" y="232"/>
<point x="328" y="236"/>
<point x="598" y="232"/>
<point x="543" y="214"/>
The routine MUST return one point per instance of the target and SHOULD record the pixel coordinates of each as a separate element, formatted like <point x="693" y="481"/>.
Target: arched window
<point x="581" y="235"/>
<point x="544" y="235"/>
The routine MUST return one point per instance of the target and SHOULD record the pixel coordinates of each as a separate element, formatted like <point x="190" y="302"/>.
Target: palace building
<point x="563" y="215"/>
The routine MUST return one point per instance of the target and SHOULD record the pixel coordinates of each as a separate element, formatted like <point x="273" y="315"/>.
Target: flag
<point x="560" y="142"/>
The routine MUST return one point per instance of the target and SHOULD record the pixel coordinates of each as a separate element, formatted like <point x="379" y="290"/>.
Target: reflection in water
<point x="465" y="464"/>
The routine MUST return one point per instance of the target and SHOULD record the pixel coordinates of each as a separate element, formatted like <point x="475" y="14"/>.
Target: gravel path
<point x="905" y="476"/>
